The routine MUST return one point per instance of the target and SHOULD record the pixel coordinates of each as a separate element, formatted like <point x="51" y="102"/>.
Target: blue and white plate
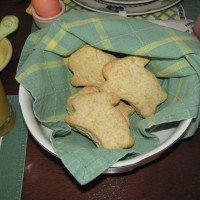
<point x="126" y="9"/>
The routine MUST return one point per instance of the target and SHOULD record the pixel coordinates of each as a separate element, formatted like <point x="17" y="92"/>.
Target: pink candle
<point x="46" y="8"/>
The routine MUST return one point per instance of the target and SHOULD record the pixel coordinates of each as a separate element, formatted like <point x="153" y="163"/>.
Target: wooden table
<point x="175" y="175"/>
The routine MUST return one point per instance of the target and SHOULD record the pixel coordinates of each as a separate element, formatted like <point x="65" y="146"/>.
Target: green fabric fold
<point x="42" y="70"/>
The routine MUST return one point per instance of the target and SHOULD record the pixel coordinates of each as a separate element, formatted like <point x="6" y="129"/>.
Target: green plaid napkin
<point x="42" y="70"/>
<point x="12" y="156"/>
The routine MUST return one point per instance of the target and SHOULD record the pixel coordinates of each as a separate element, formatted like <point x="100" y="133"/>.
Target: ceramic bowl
<point x="42" y="22"/>
<point x="5" y="52"/>
<point x="168" y="134"/>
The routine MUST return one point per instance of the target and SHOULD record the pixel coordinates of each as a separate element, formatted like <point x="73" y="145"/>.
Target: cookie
<point x="96" y="116"/>
<point x="131" y="82"/>
<point x="86" y="65"/>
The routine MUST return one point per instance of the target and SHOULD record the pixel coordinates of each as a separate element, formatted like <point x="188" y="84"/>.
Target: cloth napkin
<point x="12" y="156"/>
<point x="42" y="70"/>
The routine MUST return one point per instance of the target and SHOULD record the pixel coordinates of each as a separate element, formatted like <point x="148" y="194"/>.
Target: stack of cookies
<point x="112" y="89"/>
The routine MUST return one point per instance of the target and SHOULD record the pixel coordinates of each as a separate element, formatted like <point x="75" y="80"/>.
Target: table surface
<point x="175" y="175"/>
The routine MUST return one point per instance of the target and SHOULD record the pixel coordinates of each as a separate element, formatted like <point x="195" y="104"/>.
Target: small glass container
<point x="7" y="113"/>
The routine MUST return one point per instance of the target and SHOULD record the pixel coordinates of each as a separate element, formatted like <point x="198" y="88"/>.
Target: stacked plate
<point x="127" y="7"/>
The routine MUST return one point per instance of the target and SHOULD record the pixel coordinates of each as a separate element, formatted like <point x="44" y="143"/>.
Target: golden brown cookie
<point x="86" y="64"/>
<point x="131" y="82"/>
<point x="96" y="116"/>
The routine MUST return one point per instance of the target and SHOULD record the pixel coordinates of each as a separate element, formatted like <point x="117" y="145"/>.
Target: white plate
<point x="126" y="10"/>
<point x="167" y="134"/>
<point x="129" y="1"/>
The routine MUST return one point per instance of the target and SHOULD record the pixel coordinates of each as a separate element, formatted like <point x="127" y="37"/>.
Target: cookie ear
<point x="126" y="110"/>
<point x="140" y="61"/>
<point x="112" y="98"/>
